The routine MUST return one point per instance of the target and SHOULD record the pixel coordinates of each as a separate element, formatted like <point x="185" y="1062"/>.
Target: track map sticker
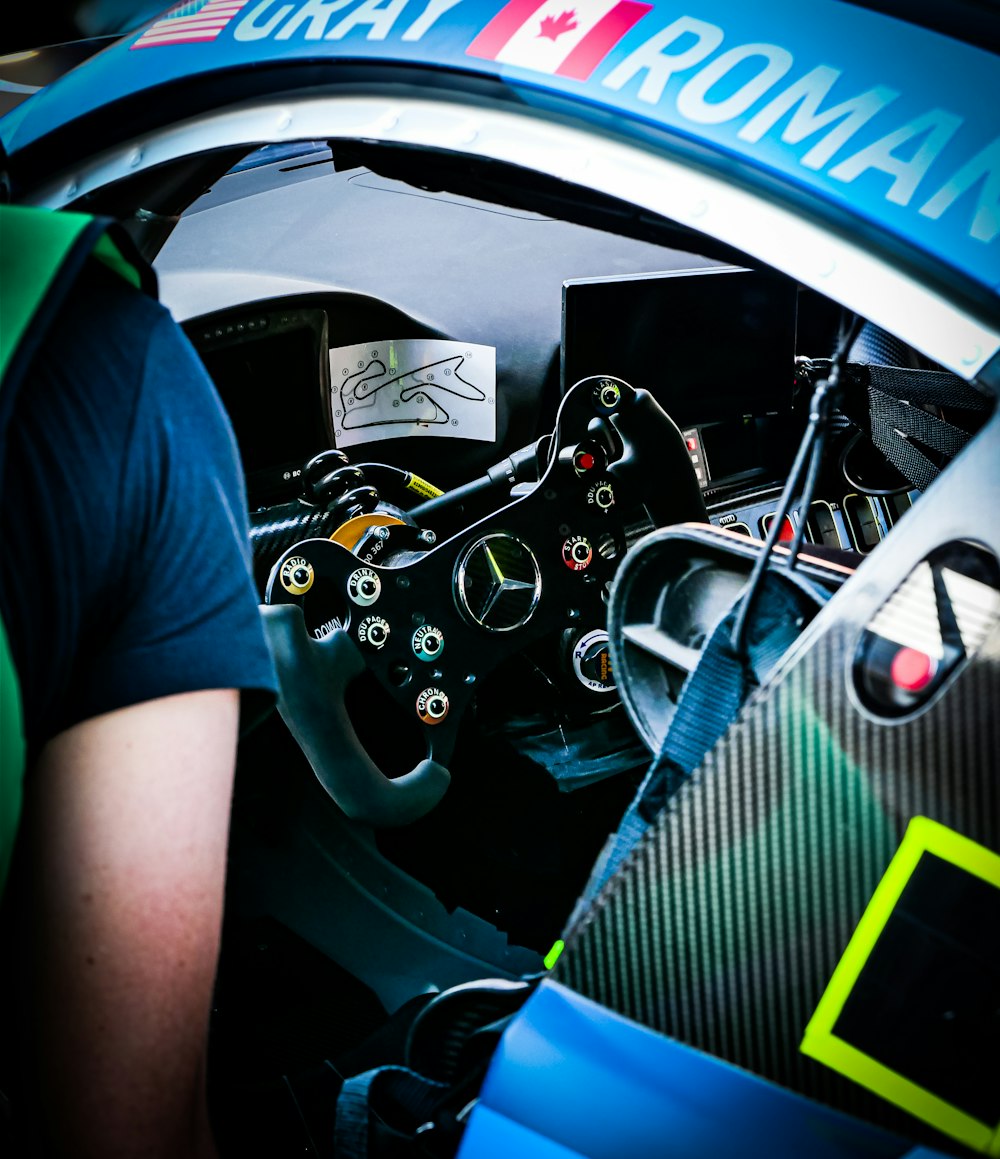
<point x="412" y="386"/>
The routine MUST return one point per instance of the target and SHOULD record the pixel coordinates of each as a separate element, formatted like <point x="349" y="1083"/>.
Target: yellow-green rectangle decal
<point x="940" y="893"/>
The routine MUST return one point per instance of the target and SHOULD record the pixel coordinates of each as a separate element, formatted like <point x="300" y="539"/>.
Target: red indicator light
<point x="912" y="670"/>
<point x="692" y="443"/>
<point x="585" y="461"/>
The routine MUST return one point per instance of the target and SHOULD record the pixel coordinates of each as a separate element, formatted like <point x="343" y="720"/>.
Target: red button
<point x="585" y="461"/>
<point x="692" y="444"/>
<point x="912" y="670"/>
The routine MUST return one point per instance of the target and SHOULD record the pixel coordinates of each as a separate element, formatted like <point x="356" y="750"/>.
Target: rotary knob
<point x="601" y="495"/>
<point x="373" y="631"/>
<point x="607" y="394"/>
<point x="432" y="705"/>
<point x="590" y="658"/>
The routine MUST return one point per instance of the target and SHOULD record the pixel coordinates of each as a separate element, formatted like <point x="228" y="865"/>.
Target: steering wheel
<point x="430" y="620"/>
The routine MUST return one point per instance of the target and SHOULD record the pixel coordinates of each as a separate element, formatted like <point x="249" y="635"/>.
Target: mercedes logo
<point x="498" y="582"/>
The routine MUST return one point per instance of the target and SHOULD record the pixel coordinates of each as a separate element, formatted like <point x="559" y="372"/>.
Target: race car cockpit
<point x="503" y="512"/>
<point x="620" y="469"/>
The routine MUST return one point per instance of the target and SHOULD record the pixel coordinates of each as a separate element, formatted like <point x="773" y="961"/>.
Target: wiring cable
<point x="808" y="460"/>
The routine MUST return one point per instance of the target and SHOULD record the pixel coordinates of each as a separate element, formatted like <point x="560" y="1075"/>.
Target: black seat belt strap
<point x="903" y="431"/>
<point x="895" y="425"/>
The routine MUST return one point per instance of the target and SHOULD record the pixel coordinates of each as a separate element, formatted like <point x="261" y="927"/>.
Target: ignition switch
<point x="577" y="552"/>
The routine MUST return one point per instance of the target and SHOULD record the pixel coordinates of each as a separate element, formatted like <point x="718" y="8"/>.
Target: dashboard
<point x="671" y="396"/>
<point x="271" y="364"/>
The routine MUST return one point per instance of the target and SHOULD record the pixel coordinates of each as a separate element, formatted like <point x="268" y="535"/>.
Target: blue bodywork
<point x="566" y="1061"/>
<point x="907" y="142"/>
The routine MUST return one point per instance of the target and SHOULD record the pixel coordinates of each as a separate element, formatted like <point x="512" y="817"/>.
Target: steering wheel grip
<point x="313" y="676"/>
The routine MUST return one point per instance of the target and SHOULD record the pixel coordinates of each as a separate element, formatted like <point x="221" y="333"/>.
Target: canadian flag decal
<point x="566" y="38"/>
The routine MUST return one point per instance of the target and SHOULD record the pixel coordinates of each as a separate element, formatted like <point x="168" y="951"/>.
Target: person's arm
<point x="127" y="826"/>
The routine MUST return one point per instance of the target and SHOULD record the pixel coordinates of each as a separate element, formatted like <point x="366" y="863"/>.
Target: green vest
<point x="41" y="253"/>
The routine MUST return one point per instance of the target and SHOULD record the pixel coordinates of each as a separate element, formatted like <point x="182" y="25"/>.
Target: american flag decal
<point x="190" y="22"/>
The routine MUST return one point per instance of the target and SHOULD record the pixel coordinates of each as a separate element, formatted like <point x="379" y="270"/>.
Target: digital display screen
<point x="269" y="386"/>
<point x="709" y="344"/>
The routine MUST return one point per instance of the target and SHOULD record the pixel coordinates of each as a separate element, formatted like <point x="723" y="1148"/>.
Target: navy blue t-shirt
<point x="125" y="572"/>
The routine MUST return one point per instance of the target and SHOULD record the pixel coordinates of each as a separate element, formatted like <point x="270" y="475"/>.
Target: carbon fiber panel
<point x="724" y="927"/>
